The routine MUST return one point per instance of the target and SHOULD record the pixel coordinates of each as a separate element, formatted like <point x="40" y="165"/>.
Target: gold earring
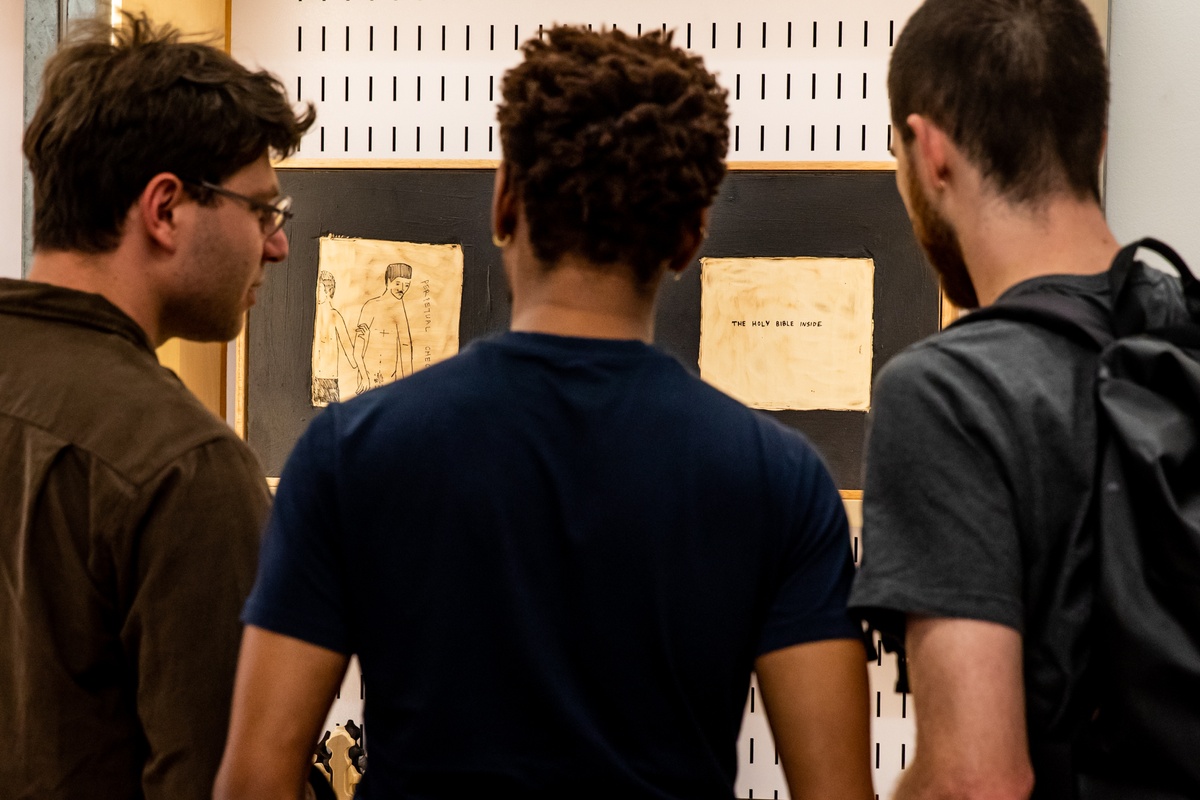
<point x="501" y="241"/>
<point x="703" y="233"/>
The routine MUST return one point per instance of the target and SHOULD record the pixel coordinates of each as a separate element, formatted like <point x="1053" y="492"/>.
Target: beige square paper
<point x="384" y="311"/>
<point x="789" y="333"/>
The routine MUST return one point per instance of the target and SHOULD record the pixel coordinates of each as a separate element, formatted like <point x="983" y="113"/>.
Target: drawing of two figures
<point x="380" y="350"/>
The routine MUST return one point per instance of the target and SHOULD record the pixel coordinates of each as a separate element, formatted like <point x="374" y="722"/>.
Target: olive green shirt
<point x="130" y="519"/>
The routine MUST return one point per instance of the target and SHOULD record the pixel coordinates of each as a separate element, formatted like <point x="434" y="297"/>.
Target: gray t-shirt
<point x="980" y="459"/>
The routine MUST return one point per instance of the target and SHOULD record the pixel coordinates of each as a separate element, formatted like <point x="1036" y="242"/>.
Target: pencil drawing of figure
<point x="386" y="352"/>
<point x="371" y="334"/>
<point x="331" y="335"/>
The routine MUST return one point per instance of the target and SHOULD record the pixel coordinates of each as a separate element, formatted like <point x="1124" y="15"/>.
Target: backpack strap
<point x="1084" y="322"/>
<point x="1129" y="317"/>
<point x="1073" y="318"/>
<point x="1190" y="281"/>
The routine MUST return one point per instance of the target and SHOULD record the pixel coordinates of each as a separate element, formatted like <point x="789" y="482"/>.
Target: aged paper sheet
<point x="384" y="311"/>
<point x="789" y="333"/>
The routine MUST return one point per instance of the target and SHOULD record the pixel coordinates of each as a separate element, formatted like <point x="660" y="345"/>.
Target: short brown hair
<point x="613" y="142"/>
<point x="1020" y="85"/>
<point x="119" y="107"/>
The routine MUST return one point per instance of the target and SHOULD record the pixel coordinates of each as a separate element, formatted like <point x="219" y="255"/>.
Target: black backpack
<point x="1140" y="725"/>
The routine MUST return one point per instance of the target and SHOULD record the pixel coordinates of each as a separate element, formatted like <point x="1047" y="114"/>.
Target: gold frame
<point x="949" y="312"/>
<point x="484" y="163"/>
<point x="241" y="387"/>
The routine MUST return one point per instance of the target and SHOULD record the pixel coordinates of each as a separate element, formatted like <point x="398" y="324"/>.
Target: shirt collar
<point x="69" y="306"/>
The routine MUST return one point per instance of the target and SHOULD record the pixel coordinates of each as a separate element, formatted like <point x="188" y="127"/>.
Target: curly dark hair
<point x="120" y="106"/>
<point x="614" y="143"/>
<point x="1020" y="85"/>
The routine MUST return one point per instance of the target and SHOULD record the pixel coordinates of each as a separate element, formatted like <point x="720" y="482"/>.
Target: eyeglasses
<point x="271" y="216"/>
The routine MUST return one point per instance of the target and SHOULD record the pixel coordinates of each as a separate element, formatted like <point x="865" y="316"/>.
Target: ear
<point x="931" y="154"/>
<point x="157" y="208"/>
<point x="505" y="205"/>
<point x="693" y="237"/>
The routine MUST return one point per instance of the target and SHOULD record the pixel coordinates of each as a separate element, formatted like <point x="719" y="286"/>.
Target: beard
<point x="205" y="319"/>
<point x="940" y="242"/>
<point x="210" y="303"/>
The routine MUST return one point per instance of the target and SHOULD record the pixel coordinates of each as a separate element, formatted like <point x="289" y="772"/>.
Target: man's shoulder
<point x="984" y="341"/>
<point x="160" y="424"/>
<point x="737" y="419"/>
<point x="932" y="364"/>
<point x="75" y="367"/>
<point x="116" y="403"/>
<point x="993" y="352"/>
<point x="1010" y="389"/>
<point x="746" y="440"/>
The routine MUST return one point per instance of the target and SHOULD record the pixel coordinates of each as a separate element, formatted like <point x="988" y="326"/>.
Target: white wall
<point x="12" y="52"/>
<point x="1153" y="184"/>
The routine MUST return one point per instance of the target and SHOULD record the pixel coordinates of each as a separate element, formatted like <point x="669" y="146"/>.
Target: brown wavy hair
<point x="614" y="143"/>
<point x="1020" y="85"/>
<point x="121" y="106"/>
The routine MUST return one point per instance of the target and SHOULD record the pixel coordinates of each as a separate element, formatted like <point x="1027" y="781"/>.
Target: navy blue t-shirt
<point x="557" y="560"/>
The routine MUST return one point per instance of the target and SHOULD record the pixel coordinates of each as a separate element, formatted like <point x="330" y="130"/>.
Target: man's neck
<point x="96" y="273"/>
<point x="1004" y="244"/>
<point x="577" y="298"/>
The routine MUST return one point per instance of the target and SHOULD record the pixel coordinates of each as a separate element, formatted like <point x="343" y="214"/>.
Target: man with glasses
<point x="271" y="216"/>
<point x="129" y="514"/>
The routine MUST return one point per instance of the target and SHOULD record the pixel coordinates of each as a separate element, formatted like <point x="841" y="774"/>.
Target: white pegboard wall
<point x="414" y="79"/>
<point x="893" y="732"/>
<point x="348" y="703"/>
<point x="893" y="727"/>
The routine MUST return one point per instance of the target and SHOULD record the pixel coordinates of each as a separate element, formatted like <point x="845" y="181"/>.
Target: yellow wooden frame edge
<point x="949" y="312"/>
<point x="484" y="163"/>
<point x="241" y="384"/>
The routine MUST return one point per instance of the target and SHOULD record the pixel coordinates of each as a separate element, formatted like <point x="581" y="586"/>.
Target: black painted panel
<point x="784" y="213"/>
